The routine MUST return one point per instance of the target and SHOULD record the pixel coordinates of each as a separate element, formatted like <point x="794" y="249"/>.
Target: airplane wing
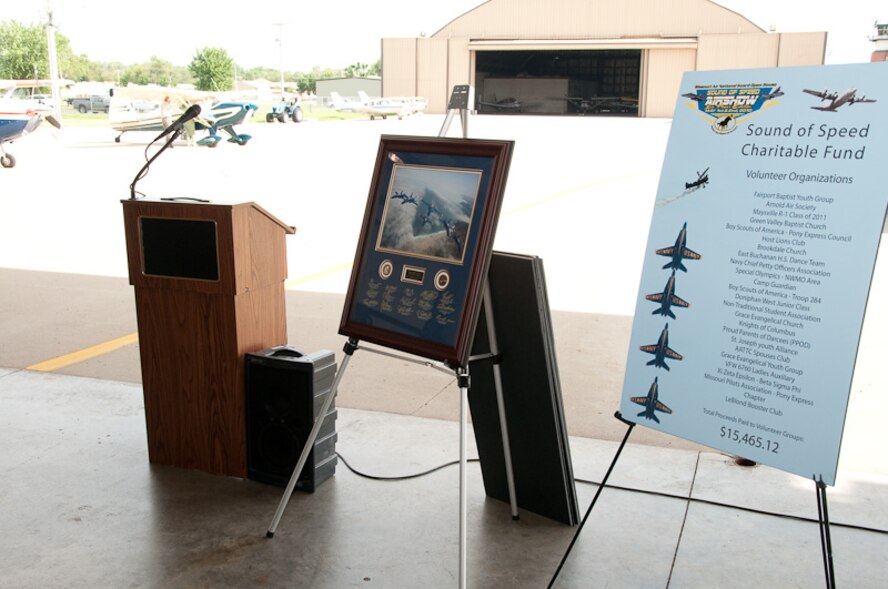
<point x="680" y="302"/>
<point x="673" y="354"/>
<point x="651" y="349"/>
<point x="690" y="254"/>
<point x="824" y="95"/>
<point x="639" y="400"/>
<point x="655" y="297"/>
<point x="159" y="92"/>
<point x="666" y="251"/>
<point x="862" y="99"/>
<point x="663" y="408"/>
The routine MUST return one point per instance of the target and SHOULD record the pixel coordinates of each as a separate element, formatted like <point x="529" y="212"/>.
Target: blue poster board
<point x="759" y="260"/>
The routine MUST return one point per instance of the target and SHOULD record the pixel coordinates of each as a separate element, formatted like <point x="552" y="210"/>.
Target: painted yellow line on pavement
<point x="122" y="342"/>
<point x="317" y="275"/>
<point x="85" y="354"/>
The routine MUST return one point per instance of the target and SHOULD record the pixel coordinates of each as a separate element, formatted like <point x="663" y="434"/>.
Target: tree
<point x="212" y="69"/>
<point x="22" y="49"/>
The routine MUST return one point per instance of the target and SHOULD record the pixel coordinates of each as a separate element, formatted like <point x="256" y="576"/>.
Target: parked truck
<point x="94" y="103"/>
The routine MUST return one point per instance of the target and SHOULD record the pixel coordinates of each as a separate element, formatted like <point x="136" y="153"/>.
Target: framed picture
<point x="425" y="245"/>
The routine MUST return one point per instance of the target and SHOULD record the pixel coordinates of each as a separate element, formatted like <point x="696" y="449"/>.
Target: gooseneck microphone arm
<point x="174" y="131"/>
<point x="144" y="171"/>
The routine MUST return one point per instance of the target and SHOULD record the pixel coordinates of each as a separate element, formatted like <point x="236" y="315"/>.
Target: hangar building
<point x="618" y="57"/>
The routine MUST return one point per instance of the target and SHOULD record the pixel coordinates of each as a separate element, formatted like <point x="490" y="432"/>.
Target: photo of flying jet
<point x="679" y="251"/>
<point x="701" y="181"/>
<point x="667" y="298"/>
<point x="836" y="100"/>
<point x="661" y="350"/>
<point x="651" y="404"/>
<point x="404" y="198"/>
<point x="694" y="96"/>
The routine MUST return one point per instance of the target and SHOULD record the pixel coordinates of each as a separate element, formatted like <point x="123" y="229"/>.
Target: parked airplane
<point x="667" y="298"/>
<point x="19" y="117"/>
<point x="650" y="403"/>
<point x="661" y="350"/>
<point x="679" y="251"/>
<point x="701" y="181"/>
<point x="138" y="109"/>
<point x="399" y="106"/>
<point x="604" y="104"/>
<point x="836" y="100"/>
<point x="503" y="105"/>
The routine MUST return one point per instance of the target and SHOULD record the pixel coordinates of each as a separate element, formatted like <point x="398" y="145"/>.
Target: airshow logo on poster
<point x="726" y="106"/>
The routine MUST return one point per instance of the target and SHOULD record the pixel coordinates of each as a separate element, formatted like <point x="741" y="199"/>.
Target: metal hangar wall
<point x="584" y="57"/>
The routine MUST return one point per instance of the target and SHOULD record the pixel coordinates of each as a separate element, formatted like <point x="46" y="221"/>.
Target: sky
<point x="340" y="33"/>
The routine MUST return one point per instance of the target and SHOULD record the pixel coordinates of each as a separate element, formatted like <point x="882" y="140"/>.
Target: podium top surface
<point x="197" y="203"/>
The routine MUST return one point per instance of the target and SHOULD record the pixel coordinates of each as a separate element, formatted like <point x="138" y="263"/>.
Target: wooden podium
<point x="209" y="287"/>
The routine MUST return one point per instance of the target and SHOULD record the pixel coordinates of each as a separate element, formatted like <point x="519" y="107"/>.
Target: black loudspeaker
<point x="285" y="391"/>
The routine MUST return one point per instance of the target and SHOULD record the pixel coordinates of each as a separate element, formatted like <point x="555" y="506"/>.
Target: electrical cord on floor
<point x="399" y="478"/>
<point x="628" y="490"/>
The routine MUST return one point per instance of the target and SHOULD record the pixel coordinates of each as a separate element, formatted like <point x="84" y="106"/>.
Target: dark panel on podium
<point x="544" y="482"/>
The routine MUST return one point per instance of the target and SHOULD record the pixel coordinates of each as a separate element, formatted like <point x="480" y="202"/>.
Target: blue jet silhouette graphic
<point x="679" y="251"/>
<point x="651" y="404"/>
<point x="667" y="298"/>
<point x="661" y="350"/>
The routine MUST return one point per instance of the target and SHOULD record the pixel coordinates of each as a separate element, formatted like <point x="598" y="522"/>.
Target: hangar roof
<point x="603" y="19"/>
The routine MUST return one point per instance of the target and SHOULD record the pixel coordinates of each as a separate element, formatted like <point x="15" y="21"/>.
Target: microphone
<point x="189" y="114"/>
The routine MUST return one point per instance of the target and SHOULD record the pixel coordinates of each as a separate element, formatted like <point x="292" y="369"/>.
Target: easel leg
<point x="349" y="349"/>
<point x="463" y="379"/>
<point x="825" y="538"/>
<point x="594" y="499"/>
<point x="500" y="402"/>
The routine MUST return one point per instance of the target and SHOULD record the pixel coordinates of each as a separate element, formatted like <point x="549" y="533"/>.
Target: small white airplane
<point x="137" y="108"/>
<point x="21" y="116"/>
<point x="391" y="106"/>
<point x="849" y="97"/>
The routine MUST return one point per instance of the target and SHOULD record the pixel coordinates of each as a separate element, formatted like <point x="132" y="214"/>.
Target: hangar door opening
<point x="574" y="82"/>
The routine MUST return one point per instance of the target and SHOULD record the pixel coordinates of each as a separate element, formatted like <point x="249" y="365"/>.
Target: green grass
<point x="72" y="118"/>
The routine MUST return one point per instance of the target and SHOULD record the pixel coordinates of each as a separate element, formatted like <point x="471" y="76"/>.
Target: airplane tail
<point x="676" y="264"/>
<point x="655" y="418"/>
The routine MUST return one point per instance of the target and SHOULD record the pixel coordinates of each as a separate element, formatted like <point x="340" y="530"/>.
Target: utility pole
<point x="280" y="41"/>
<point x="53" y="63"/>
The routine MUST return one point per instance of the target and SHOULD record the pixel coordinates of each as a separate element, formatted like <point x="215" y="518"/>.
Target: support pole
<point x="462" y="375"/>
<point x="500" y="403"/>
<point x="349" y="349"/>
<point x="594" y="499"/>
<point x="825" y="538"/>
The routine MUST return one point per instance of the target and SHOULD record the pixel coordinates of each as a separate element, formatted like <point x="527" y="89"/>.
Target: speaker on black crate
<point x="286" y="390"/>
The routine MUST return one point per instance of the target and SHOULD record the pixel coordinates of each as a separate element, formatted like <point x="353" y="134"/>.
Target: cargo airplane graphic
<point x="836" y="100"/>
<point x="661" y="350"/>
<point x="667" y="298"/>
<point x="651" y="404"/>
<point x="679" y="251"/>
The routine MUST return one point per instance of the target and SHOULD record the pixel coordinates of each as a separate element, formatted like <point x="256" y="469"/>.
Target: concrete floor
<point x="83" y="508"/>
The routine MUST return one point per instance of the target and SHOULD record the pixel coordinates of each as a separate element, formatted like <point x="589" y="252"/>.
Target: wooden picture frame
<point x="425" y="245"/>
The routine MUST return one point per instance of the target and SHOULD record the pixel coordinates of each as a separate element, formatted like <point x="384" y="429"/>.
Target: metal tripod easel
<point x="459" y="102"/>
